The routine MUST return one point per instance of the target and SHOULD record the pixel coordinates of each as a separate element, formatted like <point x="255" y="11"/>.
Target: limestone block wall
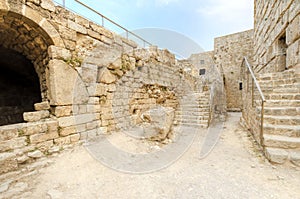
<point x="276" y="35"/>
<point x="212" y="80"/>
<point x="202" y="60"/>
<point x="229" y="52"/>
<point x="88" y="77"/>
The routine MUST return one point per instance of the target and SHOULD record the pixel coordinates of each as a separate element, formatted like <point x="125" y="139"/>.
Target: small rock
<point x="54" y="194"/>
<point x="280" y="178"/>
<point x="35" y="154"/>
<point x="5" y="186"/>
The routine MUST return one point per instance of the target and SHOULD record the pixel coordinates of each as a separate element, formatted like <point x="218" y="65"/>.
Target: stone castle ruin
<point x="66" y="79"/>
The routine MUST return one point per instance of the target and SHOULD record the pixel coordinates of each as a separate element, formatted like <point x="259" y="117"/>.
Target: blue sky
<point x="199" y="20"/>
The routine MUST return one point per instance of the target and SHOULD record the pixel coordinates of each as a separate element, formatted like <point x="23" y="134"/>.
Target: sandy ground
<point x="234" y="169"/>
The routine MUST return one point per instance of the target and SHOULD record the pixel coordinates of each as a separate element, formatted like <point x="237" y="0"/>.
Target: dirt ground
<point x="234" y="169"/>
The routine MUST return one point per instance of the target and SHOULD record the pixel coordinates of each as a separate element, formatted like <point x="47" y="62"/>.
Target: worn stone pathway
<point x="234" y="169"/>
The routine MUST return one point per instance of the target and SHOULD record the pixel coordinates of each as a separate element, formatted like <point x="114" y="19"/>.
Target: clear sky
<point x="199" y="20"/>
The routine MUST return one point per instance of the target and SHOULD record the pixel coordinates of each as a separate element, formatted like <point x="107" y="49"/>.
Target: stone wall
<point x="276" y="35"/>
<point x="201" y="61"/>
<point x="229" y="51"/>
<point x="211" y="79"/>
<point x="90" y="79"/>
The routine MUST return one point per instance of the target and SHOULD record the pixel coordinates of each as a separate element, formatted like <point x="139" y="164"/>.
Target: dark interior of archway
<point x="19" y="86"/>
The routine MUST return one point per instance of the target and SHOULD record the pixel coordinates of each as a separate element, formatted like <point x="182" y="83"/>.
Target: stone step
<point x="192" y="125"/>
<point x="277" y="75"/>
<point x="278" y="141"/>
<point x="194" y="113"/>
<point x="194" y="106"/>
<point x="285" y="96"/>
<point x="270" y="87"/>
<point x="280" y="156"/>
<point x="282" y="130"/>
<point x="277" y="82"/>
<point x="286" y="90"/>
<point x="191" y="110"/>
<point x="294" y="85"/>
<point x="280" y="103"/>
<point x="184" y="121"/>
<point x="193" y="117"/>
<point x="280" y="111"/>
<point x="282" y="120"/>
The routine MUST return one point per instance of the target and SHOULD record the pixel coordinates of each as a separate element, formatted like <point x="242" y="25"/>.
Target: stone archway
<point x="19" y="86"/>
<point x="25" y="37"/>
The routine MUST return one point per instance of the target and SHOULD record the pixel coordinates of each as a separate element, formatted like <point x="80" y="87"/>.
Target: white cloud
<point x="160" y="3"/>
<point x="164" y="2"/>
<point x="233" y="11"/>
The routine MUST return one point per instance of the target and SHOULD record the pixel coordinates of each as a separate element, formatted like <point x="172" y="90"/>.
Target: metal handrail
<point x="111" y="21"/>
<point x="245" y="60"/>
<point x="263" y="99"/>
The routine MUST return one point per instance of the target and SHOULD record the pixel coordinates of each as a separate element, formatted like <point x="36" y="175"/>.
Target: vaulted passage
<point x="19" y="86"/>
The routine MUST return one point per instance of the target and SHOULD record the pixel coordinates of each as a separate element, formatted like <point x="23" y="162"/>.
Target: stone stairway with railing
<point x="281" y="129"/>
<point x="193" y="110"/>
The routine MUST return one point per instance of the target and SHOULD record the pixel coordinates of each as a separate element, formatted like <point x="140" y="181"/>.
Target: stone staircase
<point x="281" y="138"/>
<point x="193" y="110"/>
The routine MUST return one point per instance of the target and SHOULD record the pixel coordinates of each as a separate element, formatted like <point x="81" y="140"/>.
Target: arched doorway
<point x="23" y="62"/>
<point x="19" y="86"/>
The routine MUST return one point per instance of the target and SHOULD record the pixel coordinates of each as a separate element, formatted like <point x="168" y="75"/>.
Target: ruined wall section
<point x="229" y="52"/>
<point x="276" y="35"/>
<point x="202" y="60"/>
<point x="91" y="75"/>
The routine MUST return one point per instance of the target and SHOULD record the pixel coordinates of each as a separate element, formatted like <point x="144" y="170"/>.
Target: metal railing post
<point x="262" y="121"/>
<point x="262" y="97"/>
<point x="252" y="91"/>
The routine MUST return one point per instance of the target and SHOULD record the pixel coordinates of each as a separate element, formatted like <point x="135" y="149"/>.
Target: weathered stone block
<point x="67" y="131"/>
<point x="12" y="144"/>
<point x="42" y="137"/>
<point x="65" y="89"/>
<point x="59" y="53"/>
<point x="293" y="32"/>
<point x="44" y="146"/>
<point x="35" y="154"/>
<point x="101" y="30"/>
<point x="89" y="73"/>
<point x="42" y="106"/>
<point x="158" y="122"/>
<point x="35" y="116"/>
<point x="61" y="111"/>
<point x="75" y="120"/>
<point x="63" y="141"/>
<point x="102" y="130"/>
<point x="101" y="89"/>
<point x="48" y="5"/>
<point x="8" y="132"/>
<point x="105" y="76"/>
<point x="276" y="155"/>
<point x="8" y="162"/>
<point x="92" y="125"/>
<point x="93" y="100"/>
<point x="295" y="157"/>
<point x="77" y="27"/>
<point x="75" y="137"/>
<point x="33" y="128"/>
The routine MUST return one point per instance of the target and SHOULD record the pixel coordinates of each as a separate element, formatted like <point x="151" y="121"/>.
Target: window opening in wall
<point x="202" y="62"/>
<point x="19" y="86"/>
<point x="281" y="53"/>
<point x="202" y="72"/>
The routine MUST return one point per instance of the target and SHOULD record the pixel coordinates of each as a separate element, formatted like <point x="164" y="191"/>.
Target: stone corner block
<point x="36" y="115"/>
